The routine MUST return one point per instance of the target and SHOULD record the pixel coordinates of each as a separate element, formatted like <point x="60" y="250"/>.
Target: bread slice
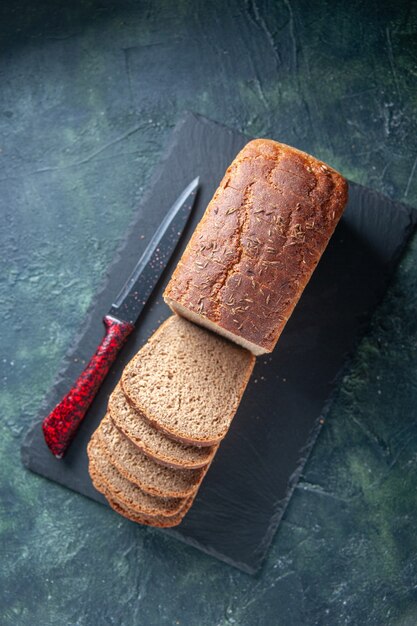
<point x="158" y="521"/>
<point x="125" y="492"/>
<point x="151" y="477"/>
<point x="258" y="243"/>
<point x="152" y="442"/>
<point x="188" y="382"/>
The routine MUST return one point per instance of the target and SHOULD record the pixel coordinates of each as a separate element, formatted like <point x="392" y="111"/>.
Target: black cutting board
<point x="244" y="495"/>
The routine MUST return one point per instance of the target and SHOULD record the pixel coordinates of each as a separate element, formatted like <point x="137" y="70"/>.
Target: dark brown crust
<point x="158" y="459"/>
<point x="259" y="241"/>
<point x="157" y="521"/>
<point x="160" y="522"/>
<point x="198" y="475"/>
<point x="92" y="468"/>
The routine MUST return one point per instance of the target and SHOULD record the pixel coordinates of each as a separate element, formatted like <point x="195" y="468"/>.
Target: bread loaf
<point x="258" y="244"/>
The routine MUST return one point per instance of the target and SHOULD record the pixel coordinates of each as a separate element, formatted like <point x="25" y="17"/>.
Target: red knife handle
<point x="61" y="425"/>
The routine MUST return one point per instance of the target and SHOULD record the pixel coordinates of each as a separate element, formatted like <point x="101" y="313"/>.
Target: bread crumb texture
<point x="127" y="493"/>
<point x="143" y="471"/>
<point x="153" y="442"/>
<point x="188" y="381"/>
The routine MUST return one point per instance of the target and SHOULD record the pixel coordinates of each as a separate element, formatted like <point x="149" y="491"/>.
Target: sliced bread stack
<point x="165" y="420"/>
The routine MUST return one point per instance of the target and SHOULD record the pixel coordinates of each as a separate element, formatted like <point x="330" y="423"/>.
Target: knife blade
<point x="61" y="425"/>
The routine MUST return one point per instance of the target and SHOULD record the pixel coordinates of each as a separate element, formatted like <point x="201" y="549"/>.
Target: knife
<point x="60" y="426"/>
